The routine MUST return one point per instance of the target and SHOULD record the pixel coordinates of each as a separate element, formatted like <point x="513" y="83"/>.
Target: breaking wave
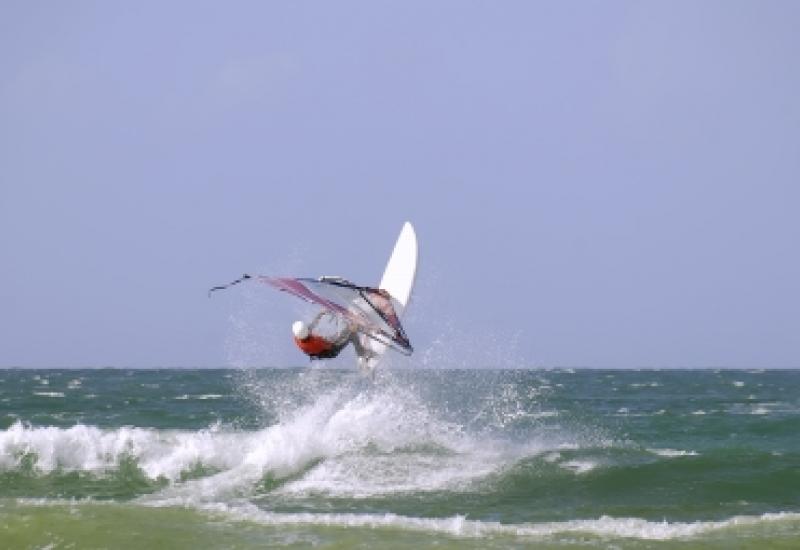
<point x="343" y="442"/>
<point x="492" y="458"/>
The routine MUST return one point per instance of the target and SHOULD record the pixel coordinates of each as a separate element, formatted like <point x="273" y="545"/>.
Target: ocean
<point x="482" y="458"/>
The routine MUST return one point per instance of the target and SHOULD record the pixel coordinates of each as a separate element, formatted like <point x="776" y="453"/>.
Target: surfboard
<point x="398" y="280"/>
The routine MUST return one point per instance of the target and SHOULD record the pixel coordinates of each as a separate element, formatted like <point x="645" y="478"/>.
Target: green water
<point x="468" y="459"/>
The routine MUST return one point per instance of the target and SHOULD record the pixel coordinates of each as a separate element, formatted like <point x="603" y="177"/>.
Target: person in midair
<point x="320" y="346"/>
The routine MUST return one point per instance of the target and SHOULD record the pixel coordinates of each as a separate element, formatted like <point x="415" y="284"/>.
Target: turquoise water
<point x="463" y="459"/>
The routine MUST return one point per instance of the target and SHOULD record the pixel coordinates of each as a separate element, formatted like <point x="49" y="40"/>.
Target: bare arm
<point x="316" y="320"/>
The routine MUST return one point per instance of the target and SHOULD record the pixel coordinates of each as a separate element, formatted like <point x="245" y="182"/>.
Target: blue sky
<point x="593" y="183"/>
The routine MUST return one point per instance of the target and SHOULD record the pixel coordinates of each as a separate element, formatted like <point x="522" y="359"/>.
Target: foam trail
<point x="459" y="526"/>
<point x="605" y="527"/>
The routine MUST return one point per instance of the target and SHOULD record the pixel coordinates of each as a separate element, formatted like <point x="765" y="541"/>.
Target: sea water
<point x="480" y="458"/>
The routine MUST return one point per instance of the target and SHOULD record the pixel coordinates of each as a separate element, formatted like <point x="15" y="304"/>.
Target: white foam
<point x="459" y="526"/>
<point x="579" y="466"/>
<point x="49" y="393"/>
<point x="762" y="408"/>
<point x="91" y="449"/>
<point x="356" y="445"/>
<point x="672" y="453"/>
<point x="201" y="397"/>
<point x="343" y="442"/>
<point x="552" y="457"/>
<point x="543" y="414"/>
<point x="351" y="440"/>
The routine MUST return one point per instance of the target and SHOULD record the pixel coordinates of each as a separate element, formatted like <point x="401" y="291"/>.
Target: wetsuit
<point x="318" y="347"/>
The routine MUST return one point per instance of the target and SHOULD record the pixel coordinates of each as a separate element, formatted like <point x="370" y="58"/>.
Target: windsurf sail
<point x="368" y="309"/>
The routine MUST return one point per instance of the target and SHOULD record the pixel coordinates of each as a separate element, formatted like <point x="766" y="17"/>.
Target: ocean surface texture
<point x="414" y="458"/>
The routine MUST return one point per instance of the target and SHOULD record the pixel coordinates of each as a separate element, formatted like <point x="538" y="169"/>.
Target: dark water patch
<point x="124" y="483"/>
<point x="110" y="397"/>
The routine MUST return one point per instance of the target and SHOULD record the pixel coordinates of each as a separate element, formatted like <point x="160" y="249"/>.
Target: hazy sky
<point x="593" y="183"/>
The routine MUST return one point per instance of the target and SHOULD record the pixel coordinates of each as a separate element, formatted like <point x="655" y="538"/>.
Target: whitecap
<point x="579" y="466"/>
<point x="201" y="397"/>
<point x="543" y="414"/>
<point x="49" y="393"/>
<point x="672" y="453"/>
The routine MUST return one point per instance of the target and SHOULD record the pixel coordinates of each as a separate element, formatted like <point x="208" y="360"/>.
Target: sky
<point x="593" y="184"/>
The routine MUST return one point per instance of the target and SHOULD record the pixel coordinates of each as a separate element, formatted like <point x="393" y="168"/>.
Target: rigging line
<point x="223" y="287"/>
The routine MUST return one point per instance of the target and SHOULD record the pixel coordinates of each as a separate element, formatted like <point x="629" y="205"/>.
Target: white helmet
<point x="300" y="330"/>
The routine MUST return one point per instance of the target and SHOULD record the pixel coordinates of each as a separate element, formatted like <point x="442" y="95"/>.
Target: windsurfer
<point x="320" y="346"/>
<point x="363" y="316"/>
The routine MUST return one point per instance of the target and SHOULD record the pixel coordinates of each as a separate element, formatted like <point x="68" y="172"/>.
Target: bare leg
<point x="363" y="354"/>
<point x="361" y="350"/>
